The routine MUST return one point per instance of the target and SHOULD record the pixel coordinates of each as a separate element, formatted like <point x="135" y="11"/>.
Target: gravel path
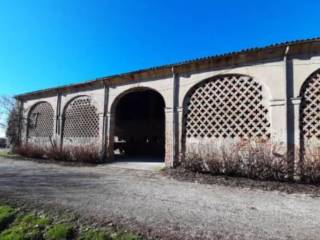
<point x="161" y="205"/>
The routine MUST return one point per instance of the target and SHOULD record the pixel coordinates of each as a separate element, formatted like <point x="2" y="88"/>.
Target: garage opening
<point x="140" y="126"/>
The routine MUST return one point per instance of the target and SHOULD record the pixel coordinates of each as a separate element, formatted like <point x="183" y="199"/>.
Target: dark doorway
<point x="139" y="125"/>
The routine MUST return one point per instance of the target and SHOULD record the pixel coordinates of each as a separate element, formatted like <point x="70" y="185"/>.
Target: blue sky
<point x="48" y="43"/>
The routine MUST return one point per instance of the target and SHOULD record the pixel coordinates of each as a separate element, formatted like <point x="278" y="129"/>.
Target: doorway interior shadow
<point x="139" y="133"/>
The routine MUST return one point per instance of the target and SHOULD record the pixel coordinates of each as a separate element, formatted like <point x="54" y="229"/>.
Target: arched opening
<point x="139" y="125"/>
<point x="224" y="109"/>
<point x="80" y="122"/>
<point x="309" y="122"/>
<point x="40" y="124"/>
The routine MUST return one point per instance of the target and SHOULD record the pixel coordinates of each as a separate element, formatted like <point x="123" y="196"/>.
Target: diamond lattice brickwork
<point x="310" y="108"/>
<point x="227" y="107"/>
<point x="41" y="121"/>
<point x="81" y="119"/>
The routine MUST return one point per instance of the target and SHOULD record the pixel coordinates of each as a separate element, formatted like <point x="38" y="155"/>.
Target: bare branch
<point x="7" y="104"/>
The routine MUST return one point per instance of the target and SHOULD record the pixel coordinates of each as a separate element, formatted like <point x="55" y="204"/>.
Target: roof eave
<point x="275" y="50"/>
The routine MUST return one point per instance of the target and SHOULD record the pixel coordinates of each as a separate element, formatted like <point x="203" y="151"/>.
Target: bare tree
<point x="6" y="105"/>
<point x="10" y="119"/>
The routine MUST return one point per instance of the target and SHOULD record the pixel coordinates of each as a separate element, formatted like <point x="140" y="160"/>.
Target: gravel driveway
<point x="162" y="206"/>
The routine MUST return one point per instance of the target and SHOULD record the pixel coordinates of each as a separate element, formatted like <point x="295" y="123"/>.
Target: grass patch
<point x="7" y="154"/>
<point x="7" y="215"/>
<point x="93" y="234"/>
<point x="31" y="219"/>
<point x="60" y="232"/>
<point x="159" y="168"/>
<point x="26" y="227"/>
<point x="16" y="224"/>
<point x="125" y="236"/>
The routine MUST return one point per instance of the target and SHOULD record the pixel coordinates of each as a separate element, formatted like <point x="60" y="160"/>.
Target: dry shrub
<point x="230" y="161"/>
<point x="310" y="166"/>
<point x="251" y="159"/>
<point x="59" y="154"/>
<point x="31" y="151"/>
<point x="262" y="162"/>
<point x="194" y="163"/>
<point x="83" y="153"/>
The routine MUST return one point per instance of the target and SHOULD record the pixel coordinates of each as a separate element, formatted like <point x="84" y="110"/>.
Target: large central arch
<point x="138" y="128"/>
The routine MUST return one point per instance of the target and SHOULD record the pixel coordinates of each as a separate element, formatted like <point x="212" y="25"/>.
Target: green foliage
<point x="17" y="225"/>
<point x="7" y="215"/>
<point x="95" y="235"/>
<point x="59" y="232"/>
<point x="31" y="219"/>
<point x="14" y="233"/>
<point x="125" y="236"/>
<point x="4" y="153"/>
<point x="28" y="227"/>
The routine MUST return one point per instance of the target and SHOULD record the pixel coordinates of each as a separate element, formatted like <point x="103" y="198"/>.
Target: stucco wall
<point x="272" y="75"/>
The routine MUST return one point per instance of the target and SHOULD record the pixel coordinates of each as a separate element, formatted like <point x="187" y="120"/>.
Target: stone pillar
<point x="101" y="136"/>
<point x="295" y="102"/>
<point x="174" y="154"/>
<point x="290" y="117"/>
<point x="169" y="137"/>
<point x="57" y="122"/>
<point x="104" y="124"/>
<point x="179" y="126"/>
<point x="60" y="137"/>
<point x="109" y="136"/>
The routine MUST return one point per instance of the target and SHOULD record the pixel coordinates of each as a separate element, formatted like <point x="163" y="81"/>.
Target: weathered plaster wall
<point x="281" y="80"/>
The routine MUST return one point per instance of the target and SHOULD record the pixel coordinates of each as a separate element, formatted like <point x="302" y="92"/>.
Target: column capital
<point x="168" y="110"/>
<point x="277" y="102"/>
<point x="109" y="114"/>
<point x="296" y="101"/>
<point x="179" y="109"/>
<point x="172" y="110"/>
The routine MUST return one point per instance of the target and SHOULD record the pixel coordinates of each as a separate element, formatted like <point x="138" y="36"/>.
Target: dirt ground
<point x="182" y="174"/>
<point x="158" y="206"/>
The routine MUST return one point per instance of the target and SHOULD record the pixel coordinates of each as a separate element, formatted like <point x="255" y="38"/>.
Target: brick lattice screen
<point x="81" y="119"/>
<point x="310" y="108"/>
<point x="41" y="121"/>
<point x="227" y="107"/>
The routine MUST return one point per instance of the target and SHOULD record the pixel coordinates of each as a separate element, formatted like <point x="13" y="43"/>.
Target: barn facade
<point x="269" y="93"/>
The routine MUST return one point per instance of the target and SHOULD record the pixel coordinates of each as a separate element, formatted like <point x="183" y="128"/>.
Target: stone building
<point x="271" y="92"/>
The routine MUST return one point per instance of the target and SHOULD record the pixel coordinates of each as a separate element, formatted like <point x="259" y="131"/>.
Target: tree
<point x="6" y="105"/>
<point x="10" y="119"/>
